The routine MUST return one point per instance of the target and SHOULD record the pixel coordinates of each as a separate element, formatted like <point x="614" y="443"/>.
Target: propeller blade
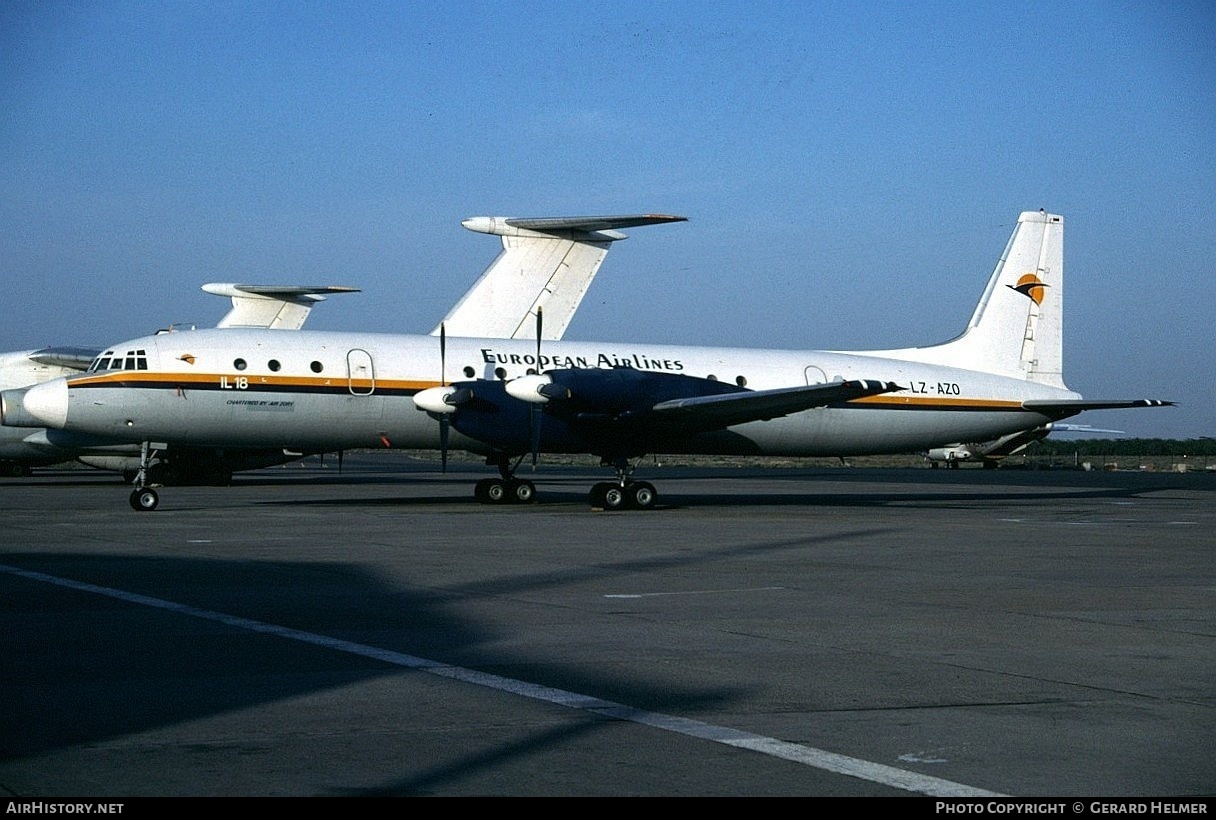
<point x="443" y="380"/>
<point x="539" y="325"/>
<point x="537" y="410"/>
<point x="443" y="353"/>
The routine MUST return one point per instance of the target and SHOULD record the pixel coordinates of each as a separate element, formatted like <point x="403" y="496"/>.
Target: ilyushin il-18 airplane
<point x="549" y="261"/>
<point x="325" y="391"/>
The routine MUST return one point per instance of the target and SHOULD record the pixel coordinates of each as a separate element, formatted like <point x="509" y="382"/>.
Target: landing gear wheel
<point x="642" y="495"/>
<point x="596" y="497"/>
<point x="505" y="491"/>
<point x="523" y="491"/>
<point x="615" y="497"/>
<point x="144" y="499"/>
<point x="491" y="491"/>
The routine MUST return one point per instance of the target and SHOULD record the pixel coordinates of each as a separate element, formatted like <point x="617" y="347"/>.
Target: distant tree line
<point x="1124" y="447"/>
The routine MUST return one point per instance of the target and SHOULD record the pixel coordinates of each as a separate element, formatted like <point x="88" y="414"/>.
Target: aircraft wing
<point x="709" y="412"/>
<point x="546" y="262"/>
<point x="75" y="358"/>
<point x="618" y="412"/>
<point x="271" y="306"/>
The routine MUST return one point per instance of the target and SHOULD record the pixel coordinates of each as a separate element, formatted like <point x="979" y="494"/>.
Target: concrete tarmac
<point x="783" y="631"/>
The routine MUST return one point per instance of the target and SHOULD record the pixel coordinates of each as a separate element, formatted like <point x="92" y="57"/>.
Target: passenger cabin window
<point x="316" y="367"/>
<point x="239" y="364"/>
<point x="274" y="365"/>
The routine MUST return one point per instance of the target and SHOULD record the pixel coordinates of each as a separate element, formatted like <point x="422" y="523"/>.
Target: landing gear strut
<point x="143" y="497"/>
<point x="507" y="489"/>
<point x="624" y="493"/>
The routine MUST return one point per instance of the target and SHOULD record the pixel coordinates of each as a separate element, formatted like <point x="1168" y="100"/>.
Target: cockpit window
<point x="130" y="360"/>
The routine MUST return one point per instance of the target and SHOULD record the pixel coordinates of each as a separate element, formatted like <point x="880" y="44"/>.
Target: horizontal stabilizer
<point x="1062" y="408"/>
<point x="724" y="410"/>
<point x="512" y="226"/>
<point x="311" y="293"/>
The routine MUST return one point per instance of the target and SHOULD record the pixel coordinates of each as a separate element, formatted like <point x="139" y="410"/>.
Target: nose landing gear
<point x="143" y="497"/>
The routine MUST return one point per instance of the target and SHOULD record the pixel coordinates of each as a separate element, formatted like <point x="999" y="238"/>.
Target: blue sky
<point x="851" y="171"/>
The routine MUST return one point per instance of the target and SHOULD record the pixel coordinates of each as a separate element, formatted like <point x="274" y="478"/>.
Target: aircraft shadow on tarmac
<point x="84" y="668"/>
<point x="845" y="489"/>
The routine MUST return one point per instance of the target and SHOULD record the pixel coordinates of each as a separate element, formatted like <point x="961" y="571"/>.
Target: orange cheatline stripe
<point x="305" y="382"/>
<point x="926" y="401"/>
<point x="187" y="379"/>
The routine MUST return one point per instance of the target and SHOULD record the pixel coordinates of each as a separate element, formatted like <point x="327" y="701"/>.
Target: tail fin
<point x="545" y="263"/>
<point x="273" y="306"/>
<point x="1017" y="327"/>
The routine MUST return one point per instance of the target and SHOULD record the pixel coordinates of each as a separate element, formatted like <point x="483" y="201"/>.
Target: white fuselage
<point x="315" y="391"/>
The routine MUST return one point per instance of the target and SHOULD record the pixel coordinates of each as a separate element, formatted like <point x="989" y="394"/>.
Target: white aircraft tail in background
<point x="282" y="307"/>
<point x="546" y="263"/>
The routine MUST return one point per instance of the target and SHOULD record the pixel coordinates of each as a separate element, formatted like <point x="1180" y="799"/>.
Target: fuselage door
<point x="360" y="372"/>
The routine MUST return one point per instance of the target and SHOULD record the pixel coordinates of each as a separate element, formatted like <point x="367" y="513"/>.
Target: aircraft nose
<point x="47" y="403"/>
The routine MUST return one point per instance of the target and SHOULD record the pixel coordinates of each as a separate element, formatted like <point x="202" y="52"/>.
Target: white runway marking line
<point x="689" y="592"/>
<point x="806" y="755"/>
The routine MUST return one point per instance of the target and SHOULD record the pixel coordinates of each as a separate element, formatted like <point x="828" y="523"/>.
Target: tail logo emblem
<point x="1030" y="286"/>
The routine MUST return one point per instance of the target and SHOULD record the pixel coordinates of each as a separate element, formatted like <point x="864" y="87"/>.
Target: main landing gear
<point x="15" y="470"/>
<point x="507" y="489"/>
<point x="622" y="494"/>
<point x="632" y="495"/>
